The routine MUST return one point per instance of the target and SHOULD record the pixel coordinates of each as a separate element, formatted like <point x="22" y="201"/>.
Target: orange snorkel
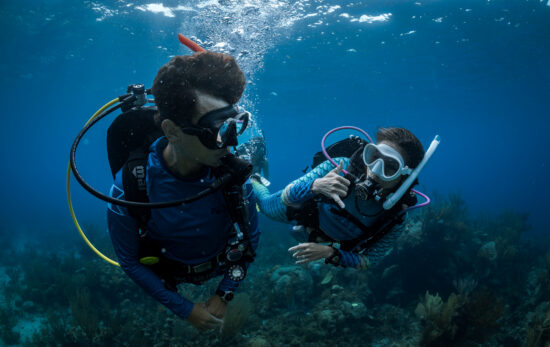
<point x="192" y="45"/>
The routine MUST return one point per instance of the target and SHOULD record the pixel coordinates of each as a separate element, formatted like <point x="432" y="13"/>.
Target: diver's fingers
<point x="216" y="319"/>
<point x="301" y="254"/>
<point x="213" y="322"/>
<point x="343" y="180"/>
<point x="299" y="246"/>
<point x="340" y="189"/>
<point x="337" y="199"/>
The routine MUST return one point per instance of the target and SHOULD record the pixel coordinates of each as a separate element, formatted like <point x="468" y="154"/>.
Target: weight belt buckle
<point x="202" y="267"/>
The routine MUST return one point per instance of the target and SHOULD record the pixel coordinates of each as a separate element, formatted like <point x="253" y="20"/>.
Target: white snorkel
<point x="393" y="198"/>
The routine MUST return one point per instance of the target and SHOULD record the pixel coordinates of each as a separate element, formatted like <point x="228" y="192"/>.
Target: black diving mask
<point x="219" y="128"/>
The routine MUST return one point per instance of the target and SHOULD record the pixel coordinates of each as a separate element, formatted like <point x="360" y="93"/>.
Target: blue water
<point x="474" y="72"/>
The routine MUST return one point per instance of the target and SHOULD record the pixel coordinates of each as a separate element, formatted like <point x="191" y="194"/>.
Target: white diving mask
<point x="385" y="162"/>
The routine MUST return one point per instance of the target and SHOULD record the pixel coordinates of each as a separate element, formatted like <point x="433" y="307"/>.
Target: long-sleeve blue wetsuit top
<point x="191" y="234"/>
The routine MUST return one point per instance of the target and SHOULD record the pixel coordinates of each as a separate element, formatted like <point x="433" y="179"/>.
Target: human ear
<point x="171" y="130"/>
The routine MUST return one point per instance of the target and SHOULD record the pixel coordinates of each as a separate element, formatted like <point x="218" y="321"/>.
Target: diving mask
<point x="219" y="128"/>
<point x="385" y="162"/>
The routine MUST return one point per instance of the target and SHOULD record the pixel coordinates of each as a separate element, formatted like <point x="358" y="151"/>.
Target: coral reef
<point x="491" y="283"/>
<point x="290" y="286"/>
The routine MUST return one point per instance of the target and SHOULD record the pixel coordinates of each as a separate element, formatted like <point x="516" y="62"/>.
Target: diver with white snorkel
<point x="350" y="213"/>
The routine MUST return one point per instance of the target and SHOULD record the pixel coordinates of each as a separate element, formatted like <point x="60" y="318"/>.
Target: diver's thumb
<point x="338" y="201"/>
<point x="340" y="167"/>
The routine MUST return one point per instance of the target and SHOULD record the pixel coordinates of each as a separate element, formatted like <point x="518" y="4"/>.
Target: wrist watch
<point x="334" y="259"/>
<point x="225" y="296"/>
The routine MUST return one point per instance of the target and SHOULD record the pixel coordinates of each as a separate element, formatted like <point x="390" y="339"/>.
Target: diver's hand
<point x="332" y="185"/>
<point x="310" y="251"/>
<point x="202" y="320"/>
<point x="216" y="306"/>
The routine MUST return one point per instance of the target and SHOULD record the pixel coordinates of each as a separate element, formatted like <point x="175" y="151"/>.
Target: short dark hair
<point x="409" y="145"/>
<point x="178" y="80"/>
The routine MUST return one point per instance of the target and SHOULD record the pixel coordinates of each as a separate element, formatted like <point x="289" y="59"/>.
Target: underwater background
<point x="474" y="266"/>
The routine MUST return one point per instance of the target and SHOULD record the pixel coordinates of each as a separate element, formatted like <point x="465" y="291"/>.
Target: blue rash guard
<point x="191" y="234"/>
<point x="335" y="226"/>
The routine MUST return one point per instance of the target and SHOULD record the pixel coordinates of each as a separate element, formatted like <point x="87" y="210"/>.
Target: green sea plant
<point x="84" y="314"/>
<point x="461" y="320"/>
<point x="447" y="219"/>
<point x="437" y="317"/>
<point x="482" y="314"/>
<point x="538" y="329"/>
<point x="542" y="289"/>
<point x="506" y="231"/>
<point x="237" y="313"/>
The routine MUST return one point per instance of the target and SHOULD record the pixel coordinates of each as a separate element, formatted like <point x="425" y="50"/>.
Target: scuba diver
<point x="193" y="242"/>
<point x="255" y="151"/>
<point x="181" y="209"/>
<point x="360" y="205"/>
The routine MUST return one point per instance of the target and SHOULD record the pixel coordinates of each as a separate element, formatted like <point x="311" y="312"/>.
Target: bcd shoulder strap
<point x="135" y="186"/>
<point x="237" y="205"/>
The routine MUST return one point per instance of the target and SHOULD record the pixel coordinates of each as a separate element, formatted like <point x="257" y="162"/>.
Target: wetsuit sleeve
<point x="226" y="283"/>
<point x="295" y="194"/>
<point x="124" y="235"/>
<point x="269" y="204"/>
<point x="374" y="254"/>
<point x="299" y="190"/>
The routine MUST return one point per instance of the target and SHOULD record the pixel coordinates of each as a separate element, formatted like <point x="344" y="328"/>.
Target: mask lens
<point x="230" y="129"/>
<point x="391" y="166"/>
<point x="371" y="154"/>
<point x="226" y="134"/>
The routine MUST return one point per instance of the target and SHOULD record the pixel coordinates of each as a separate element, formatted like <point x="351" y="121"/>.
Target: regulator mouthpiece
<point x="239" y="169"/>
